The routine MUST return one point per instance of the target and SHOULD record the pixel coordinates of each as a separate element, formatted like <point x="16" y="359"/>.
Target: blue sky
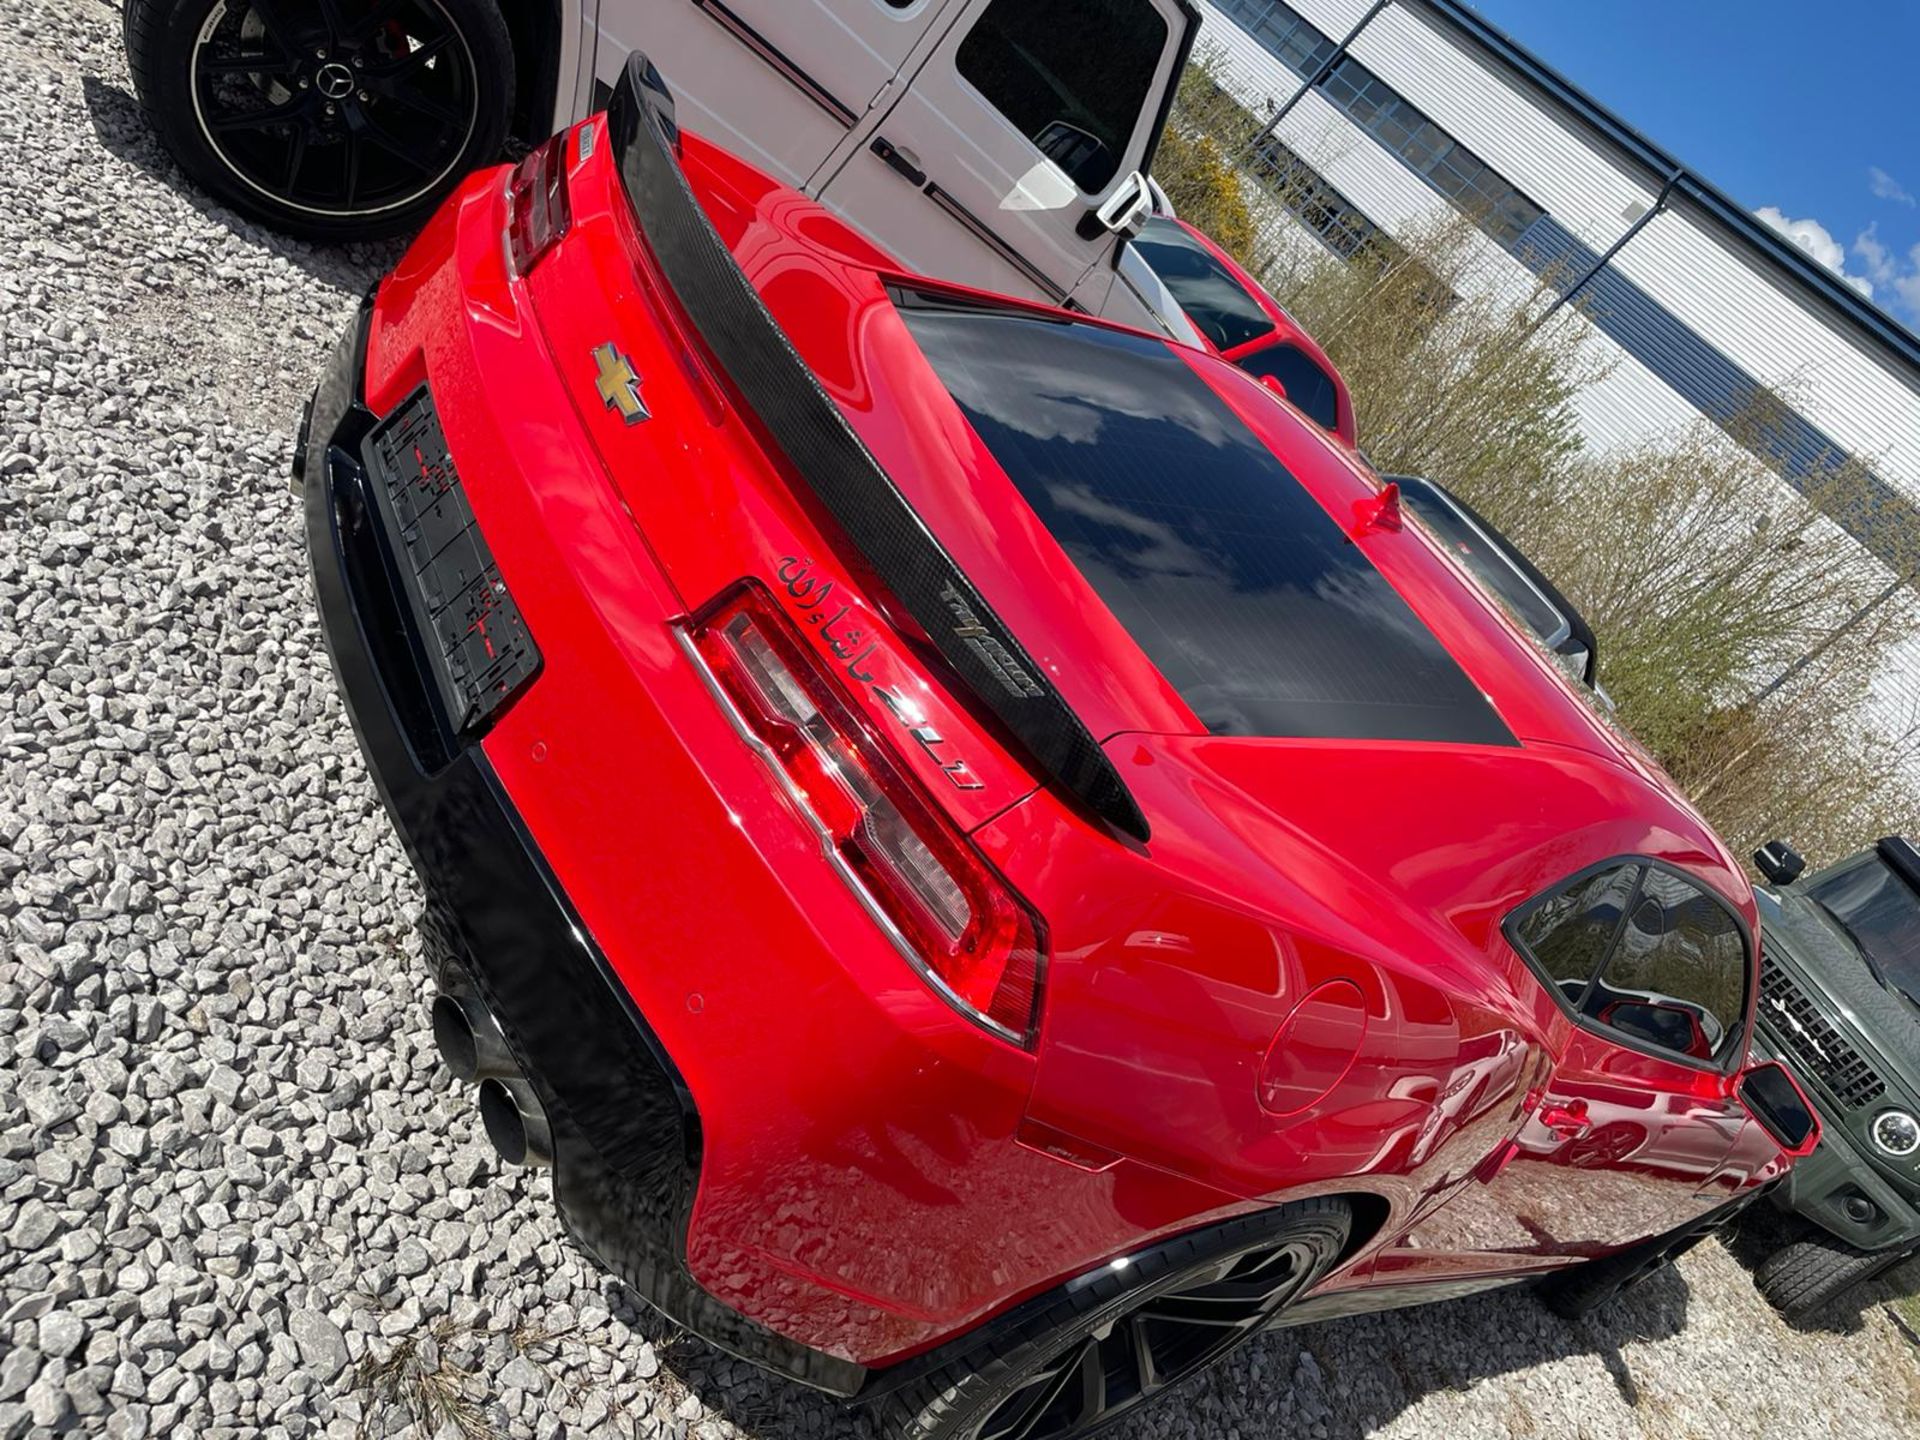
<point x="1808" y="114"/>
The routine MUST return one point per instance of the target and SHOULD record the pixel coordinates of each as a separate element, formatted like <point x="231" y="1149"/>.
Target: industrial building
<point x="1395" y="110"/>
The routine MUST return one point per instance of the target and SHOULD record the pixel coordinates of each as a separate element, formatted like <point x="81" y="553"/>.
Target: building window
<point x="1336" y="222"/>
<point x="1287" y="37"/>
<point x="1399" y="125"/>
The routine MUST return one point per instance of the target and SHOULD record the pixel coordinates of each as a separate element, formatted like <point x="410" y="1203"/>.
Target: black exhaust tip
<point x="469" y="1039"/>
<point x="453" y="1037"/>
<point x="515" y="1121"/>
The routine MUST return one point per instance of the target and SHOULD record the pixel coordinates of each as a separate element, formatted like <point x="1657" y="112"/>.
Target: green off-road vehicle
<point x="1840" y="1003"/>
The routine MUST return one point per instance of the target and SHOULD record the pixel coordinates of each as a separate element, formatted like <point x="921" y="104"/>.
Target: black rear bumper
<point x="626" y="1135"/>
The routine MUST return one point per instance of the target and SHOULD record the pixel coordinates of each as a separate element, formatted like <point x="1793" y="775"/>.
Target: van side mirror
<point x="1780" y="862"/>
<point x="1126" y="209"/>
<point x="1774" y="1098"/>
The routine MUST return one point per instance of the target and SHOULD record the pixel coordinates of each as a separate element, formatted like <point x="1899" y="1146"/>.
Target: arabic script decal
<point x="811" y="596"/>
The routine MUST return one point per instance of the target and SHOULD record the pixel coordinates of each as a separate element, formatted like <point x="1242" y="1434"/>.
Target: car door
<point x="1020" y="120"/>
<point x="779" y="82"/>
<point x="1650" y="972"/>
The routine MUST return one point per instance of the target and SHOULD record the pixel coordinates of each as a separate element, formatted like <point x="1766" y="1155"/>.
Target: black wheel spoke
<point x="1093" y="1382"/>
<point x="336" y="23"/>
<point x="282" y="31"/>
<point x="296" y="157"/>
<point x="1046" y="1388"/>
<point x="411" y="99"/>
<point x="1141" y="1346"/>
<point x="354" y="151"/>
<point x="270" y="115"/>
<point x="398" y="149"/>
<point x="1171" y="1312"/>
<point x="261" y="64"/>
<point x="368" y="25"/>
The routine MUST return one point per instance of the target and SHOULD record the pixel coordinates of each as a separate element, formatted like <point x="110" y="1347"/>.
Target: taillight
<point x="946" y="909"/>
<point x="538" y="208"/>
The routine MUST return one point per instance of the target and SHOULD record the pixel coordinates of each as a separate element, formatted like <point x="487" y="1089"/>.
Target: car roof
<point x="838" y="299"/>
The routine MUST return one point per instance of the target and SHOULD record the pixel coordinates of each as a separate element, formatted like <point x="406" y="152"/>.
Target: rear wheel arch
<point x="970" y="1382"/>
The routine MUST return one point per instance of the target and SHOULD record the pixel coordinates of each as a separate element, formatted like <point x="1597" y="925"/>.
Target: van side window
<point x="1643" y="952"/>
<point x="1072" y="75"/>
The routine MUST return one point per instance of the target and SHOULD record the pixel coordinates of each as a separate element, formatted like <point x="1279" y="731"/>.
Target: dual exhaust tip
<point x="472" y="1047"/>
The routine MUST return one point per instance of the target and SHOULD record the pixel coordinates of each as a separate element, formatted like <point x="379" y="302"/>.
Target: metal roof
<point x="1767" y="242"/>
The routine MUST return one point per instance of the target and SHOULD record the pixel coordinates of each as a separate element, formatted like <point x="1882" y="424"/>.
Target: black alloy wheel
<point x="1130" y="1359"/>
<point x="1106" y="1346"/>
<point x="328" y="118"/>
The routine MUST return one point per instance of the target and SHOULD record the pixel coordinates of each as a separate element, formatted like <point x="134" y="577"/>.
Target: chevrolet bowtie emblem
<point x="620" y="384"/>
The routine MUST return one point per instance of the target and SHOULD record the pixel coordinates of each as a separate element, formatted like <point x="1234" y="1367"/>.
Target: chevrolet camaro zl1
<point x="987" y="855"/>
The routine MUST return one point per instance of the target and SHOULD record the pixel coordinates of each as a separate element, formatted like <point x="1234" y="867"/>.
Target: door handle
<point x="902" y="162"/>
<point x="1568" y="1121"/>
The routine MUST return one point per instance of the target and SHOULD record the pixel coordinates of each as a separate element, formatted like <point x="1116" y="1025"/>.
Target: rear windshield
<point x="1219" y="305"/>
<point x="1235" y="582"/>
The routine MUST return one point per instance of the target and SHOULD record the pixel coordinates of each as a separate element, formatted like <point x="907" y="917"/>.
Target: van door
<point x="780" y="83"/>
<point x="1020" y="121"/>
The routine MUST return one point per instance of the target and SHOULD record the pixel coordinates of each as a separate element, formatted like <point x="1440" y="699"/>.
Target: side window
<point x="1073" y="75"/>
<point x="1308" y="386"/>
<point x="1567" y="934"/>
<point x="1644" y="952"/>
<point x="1217" y="304"/>
<point x="1678" y="976"/>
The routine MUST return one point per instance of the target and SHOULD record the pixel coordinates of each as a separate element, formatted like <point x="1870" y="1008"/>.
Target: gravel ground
<point x="237" y="1197"/>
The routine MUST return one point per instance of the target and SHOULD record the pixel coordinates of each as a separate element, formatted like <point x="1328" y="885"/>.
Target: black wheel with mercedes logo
<point x="327" y="119"/>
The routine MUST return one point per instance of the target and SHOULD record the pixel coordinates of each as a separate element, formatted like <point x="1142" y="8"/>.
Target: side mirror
<point x="1774" y="1098"/>
<point x="1272" y="382"/>
<point x="1126" y="209"/>
<point x="1780" y="862"/>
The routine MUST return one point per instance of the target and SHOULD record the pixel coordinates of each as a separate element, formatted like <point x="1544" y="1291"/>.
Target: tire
<point x="325" y="136"/>
<point x="1806" y="1274"/>
<point x="1031" y="1374"/>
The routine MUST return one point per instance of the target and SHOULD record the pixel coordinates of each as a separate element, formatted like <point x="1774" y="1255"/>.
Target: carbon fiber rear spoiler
<point x="796" y="415"/>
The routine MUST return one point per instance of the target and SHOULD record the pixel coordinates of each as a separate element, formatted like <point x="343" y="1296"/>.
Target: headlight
<point x="1896" y="1132"/>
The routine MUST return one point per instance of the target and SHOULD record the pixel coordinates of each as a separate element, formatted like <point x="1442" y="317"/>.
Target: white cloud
<point x="1890" y="271"/>
<point x="1812" y="237"/>
<point x="1877" y="259"/>
<point x="1887" y="188"/>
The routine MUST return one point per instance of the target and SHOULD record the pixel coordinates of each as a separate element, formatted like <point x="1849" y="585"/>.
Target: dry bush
<point x="1204" y="187"/>
<point x="1706" y="579"/>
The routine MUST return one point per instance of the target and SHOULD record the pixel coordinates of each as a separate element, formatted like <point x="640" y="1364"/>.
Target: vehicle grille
<point x="1811" y="1042"/>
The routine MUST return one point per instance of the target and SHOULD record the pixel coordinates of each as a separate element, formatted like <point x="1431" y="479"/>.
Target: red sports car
<point x="987" y="859"/>
<point x="1232" y="315"/>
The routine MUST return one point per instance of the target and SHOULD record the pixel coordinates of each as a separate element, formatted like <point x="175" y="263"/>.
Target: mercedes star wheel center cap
<point x="335" y="81"/>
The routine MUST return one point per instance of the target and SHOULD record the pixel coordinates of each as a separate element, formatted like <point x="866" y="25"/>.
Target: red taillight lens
<point x="538" y="208"/>
<point x="949" y="912"/>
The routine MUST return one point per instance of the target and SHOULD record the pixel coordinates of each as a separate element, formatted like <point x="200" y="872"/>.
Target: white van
<point x="999" y="143"/>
